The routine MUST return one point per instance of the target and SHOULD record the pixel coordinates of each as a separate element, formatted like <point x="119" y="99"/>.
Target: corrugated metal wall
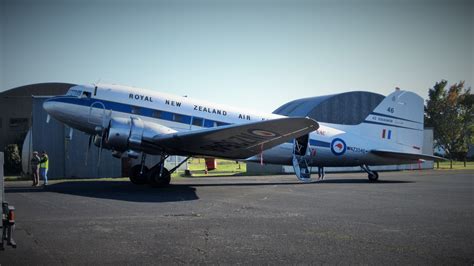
<point x="2" y="196"/>
<point x="67" y="157"/>
<point x="350" y="108"/>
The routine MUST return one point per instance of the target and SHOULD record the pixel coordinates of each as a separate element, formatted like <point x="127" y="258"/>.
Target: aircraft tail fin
<point x="397" y="119"/>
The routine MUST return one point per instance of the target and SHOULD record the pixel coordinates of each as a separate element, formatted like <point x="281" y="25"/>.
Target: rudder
<point x="398" y="119"/>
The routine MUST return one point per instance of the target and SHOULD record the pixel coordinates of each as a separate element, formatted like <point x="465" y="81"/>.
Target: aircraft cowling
<point x="132" y="133"/>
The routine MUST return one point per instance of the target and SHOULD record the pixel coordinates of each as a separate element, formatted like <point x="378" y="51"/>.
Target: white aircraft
<point x="133" y="122"/>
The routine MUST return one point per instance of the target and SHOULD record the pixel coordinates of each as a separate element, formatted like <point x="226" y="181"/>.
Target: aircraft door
<point x="300" y="158"/>
<point x="98" y="114"/>
<point x="300" y="145"/>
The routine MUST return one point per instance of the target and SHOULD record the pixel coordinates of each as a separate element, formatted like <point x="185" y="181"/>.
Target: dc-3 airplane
<point x="134" y="122"/>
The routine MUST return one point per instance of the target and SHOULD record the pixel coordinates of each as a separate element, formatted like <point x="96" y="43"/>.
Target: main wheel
<point x="137" y="178"/>
<point x="374" y="176"/>
<point x="155" y="180"/>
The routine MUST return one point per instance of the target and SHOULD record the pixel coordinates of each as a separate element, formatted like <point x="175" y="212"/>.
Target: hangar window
<point x="135" y="110"/>
<point x="197" y="121"/>
<point x="18" y="123"/>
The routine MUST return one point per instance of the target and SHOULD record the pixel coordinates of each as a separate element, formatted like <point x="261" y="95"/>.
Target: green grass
<point x="196" y="166"/>
<point x="224" y="168"/>
<point x="445" y="165"/>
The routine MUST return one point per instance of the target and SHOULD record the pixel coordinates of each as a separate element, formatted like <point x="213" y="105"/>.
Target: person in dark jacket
<point x="35" y="161"/>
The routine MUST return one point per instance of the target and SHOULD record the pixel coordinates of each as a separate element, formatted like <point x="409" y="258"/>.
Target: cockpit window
<point x="85" y="94"/>
<point x="74" y="92"/>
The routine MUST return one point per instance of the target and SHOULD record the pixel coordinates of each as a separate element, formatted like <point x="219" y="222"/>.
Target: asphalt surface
<point x="413" y="217"/>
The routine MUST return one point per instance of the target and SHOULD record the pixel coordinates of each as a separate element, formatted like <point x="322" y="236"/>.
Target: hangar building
<point x="16" y="108"/>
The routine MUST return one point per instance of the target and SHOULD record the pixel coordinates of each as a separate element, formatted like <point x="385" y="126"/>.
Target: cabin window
<point x="135" y="110"/>
<point x="209" y="123"/>
<point x="197" y="121"/>
<point x="156" y="114"/>
<point x="177" y="117"/>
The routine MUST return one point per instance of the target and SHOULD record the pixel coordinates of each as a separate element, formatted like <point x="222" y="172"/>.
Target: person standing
<point x="44" y="165"/>
<point x="35" y="160"/>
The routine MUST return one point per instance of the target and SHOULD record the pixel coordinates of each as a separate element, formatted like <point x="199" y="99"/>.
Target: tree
<point x="12" y="160"/>
<point x="450" y="113"/>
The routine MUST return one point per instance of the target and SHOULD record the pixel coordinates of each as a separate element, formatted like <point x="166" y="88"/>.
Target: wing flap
<point x="236" y="141"/>
<point x="406" y="156"/>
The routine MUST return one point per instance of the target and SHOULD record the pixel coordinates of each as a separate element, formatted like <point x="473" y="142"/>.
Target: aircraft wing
<point x="235" y="141"/>
<point x="406" y="156"/>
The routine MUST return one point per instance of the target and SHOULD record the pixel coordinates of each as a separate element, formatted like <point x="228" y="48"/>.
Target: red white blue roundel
<point x="338" y="146"/>
<point x="263" y="133"/>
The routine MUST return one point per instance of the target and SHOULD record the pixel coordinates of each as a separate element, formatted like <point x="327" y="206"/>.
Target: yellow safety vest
<point x="45" y="164"/>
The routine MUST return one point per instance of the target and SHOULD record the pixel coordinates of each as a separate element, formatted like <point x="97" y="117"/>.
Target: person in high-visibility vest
<point x="44" y="165"/>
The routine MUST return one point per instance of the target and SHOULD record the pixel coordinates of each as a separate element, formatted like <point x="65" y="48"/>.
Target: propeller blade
<point x="88" y="149"/>
<point x="102" y="139"/>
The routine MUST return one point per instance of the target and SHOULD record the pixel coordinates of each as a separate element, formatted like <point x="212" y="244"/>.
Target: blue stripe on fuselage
<point x="319" y="143"/>
<point x="138" y="110"/>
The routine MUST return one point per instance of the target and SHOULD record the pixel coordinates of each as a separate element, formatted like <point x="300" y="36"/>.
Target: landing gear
<point x="157" y="176"/>
<point x="372" y="175"/>
<point x="138" y="174"/>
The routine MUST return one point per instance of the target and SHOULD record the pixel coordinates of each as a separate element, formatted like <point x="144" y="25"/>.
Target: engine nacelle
<point x="125" y="134"/>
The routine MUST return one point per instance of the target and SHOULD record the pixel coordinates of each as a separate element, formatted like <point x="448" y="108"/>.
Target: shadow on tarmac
<point x="116" y="190"/>
<point x="126" y="191"/>
<point x="327" y="181"/>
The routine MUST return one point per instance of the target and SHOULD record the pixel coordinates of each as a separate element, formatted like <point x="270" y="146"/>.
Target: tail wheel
<point x="155" y="180"/>
<point x="138" y="178"/>
<point x="373" y="177"/>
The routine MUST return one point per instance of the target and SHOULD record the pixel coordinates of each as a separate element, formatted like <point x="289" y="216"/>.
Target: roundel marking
<point x="338" y="146"/>
<point x="263" y="133"/>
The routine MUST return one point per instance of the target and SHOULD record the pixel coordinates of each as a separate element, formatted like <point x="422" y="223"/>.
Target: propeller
<point x="104" y="130"/>
<point x="88" y="149"/>
<point x="100" y="148"/>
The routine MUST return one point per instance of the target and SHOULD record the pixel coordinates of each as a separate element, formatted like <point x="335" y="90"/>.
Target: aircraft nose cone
<point x="52" y="107"/>
<point x="48" y="106"/>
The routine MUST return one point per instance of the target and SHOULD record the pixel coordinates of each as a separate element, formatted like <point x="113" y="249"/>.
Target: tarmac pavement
<point x="411" y="217"/>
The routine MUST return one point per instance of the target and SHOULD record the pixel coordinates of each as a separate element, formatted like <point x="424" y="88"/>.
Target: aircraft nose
<point x="52" y="107"/>
<point x="48" y="106"/>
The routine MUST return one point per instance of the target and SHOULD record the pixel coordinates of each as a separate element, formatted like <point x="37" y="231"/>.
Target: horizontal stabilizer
<point x="406" y="156"/>
<point x="235" y="141"/>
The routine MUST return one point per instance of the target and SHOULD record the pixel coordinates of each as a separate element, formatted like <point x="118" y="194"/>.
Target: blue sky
<point x="251" y="54"/>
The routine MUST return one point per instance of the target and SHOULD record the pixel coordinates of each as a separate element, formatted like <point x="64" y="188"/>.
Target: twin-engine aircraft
<point x="135" y="122"/>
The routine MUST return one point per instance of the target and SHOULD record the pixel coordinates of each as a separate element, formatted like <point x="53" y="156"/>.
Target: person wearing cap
<point x="44" y="165"/>
<point x="35" y="160"/>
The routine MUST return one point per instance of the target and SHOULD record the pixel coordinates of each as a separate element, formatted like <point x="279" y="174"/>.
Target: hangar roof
<point x="349" y="108"/>
<point x="50" y="88"/>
